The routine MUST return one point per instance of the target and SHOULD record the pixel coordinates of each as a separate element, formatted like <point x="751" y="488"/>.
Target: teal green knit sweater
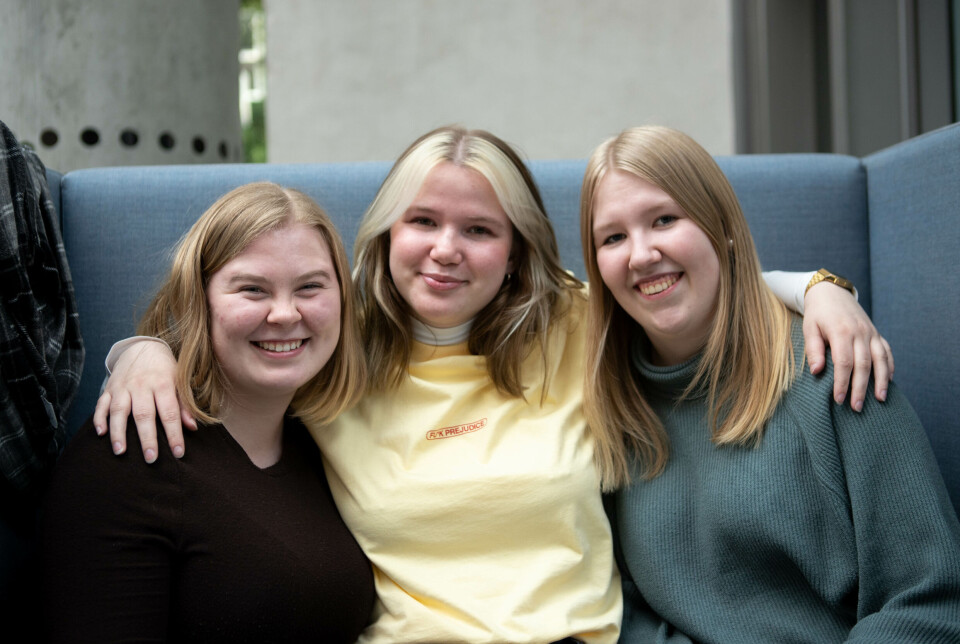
<point x="837" y="527"/>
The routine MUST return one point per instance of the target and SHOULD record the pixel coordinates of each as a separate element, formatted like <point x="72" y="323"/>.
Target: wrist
<point x="823" y="275"/>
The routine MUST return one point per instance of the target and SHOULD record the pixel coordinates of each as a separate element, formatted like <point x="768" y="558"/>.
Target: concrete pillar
<point x="121" y="82"/>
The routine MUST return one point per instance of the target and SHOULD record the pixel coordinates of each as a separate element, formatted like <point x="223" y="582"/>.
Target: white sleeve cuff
<point x="119" y="347"/>
<point x="789" y="287"/>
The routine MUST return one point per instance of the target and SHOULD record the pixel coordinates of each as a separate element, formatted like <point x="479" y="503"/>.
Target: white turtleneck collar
<point x="426" y="334"/>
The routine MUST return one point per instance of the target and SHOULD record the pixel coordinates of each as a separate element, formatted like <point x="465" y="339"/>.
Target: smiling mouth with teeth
<point x="279" y="347"/>
<point x="660" y="285"/>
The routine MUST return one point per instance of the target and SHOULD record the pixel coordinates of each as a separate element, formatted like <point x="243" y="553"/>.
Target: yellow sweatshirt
<point x="481" y="513"/>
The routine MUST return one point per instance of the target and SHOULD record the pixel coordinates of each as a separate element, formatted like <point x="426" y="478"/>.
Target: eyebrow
<point x="252" y="277"/>
<point x="486" y="220"/>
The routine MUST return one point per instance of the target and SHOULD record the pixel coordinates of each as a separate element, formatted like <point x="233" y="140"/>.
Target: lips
<point x="441" y="282"/>
<point x="658" y="284"/>
<point x="280" y="347"/>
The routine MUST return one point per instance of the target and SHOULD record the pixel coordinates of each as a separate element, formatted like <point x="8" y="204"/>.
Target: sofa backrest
<point x="120" y="223"/>
<point x="914" y="205"/>
<point x="805" y="211"/>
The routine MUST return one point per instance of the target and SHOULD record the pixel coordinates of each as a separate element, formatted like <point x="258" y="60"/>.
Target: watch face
<point x="842" y="282"/>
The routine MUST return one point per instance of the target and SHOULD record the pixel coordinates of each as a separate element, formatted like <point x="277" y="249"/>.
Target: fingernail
<point x="840" y="398"/>
<point x="150" y="456"/>
<point x="883" y="395"/>
<point x="178" y="451"/>
<point x="857" y="405"/>
<point x="117" y="448"/>
<point x="98" y="429"/>
<point x="814" y="366"/>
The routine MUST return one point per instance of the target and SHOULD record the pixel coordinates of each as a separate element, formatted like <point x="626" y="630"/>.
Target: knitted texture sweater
<point x="837" y="527"/>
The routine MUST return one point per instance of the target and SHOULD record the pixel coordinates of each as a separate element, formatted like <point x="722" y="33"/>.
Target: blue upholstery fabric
<point x="806" y="211"/>
<point x="121" y="224"/>
<point x="889" y="222"/>
<point x="914" y="205"/>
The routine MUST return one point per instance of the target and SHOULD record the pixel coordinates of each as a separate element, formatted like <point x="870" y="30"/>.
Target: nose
<point x="283" y="311"/>
<point x="446" y="247"/>
<point x="643" y="251"/>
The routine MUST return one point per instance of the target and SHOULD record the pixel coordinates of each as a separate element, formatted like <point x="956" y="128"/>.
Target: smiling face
<point x="275" y="313"/>
<point x="658" y="264"/>
<point x="451" y="249"/>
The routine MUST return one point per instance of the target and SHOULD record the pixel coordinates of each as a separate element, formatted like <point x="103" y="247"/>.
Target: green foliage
<point x="254" y="137"/>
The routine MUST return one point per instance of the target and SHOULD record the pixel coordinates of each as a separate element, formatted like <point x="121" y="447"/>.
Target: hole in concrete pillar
<point x="199" y="145"/>
<point x="129" y="137"/>
<point x="90" y="136"/>
<point x="222" y="148"/>
<point x="167" y="141"/>
<point x="49" y="137"/>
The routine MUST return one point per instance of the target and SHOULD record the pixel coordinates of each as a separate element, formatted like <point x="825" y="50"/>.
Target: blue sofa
<point x="890" y="222"/>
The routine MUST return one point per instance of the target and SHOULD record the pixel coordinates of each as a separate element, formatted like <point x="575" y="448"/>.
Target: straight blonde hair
<point x="529" y="302"/>
<point x="179" y="313"/>
<point x="747" y="363"/>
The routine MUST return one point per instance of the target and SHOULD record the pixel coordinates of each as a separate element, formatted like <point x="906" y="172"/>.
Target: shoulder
<point x="88" y="461"/>
<point x="840" y="436"/>
<point x="91" y="487"/>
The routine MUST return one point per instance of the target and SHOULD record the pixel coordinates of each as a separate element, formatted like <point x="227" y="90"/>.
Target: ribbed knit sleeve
<point x="836" y="527"/>
<point x="906" y="533"/>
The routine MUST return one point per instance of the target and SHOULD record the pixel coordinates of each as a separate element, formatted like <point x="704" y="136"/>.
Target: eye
<point x="313" y="286"/>
<point x="479" y="230"/>
<point x="253" y="290"/>
<point x="665" y="220"/>
<point x="422" y="221"/>
<point x="612" y="239"/>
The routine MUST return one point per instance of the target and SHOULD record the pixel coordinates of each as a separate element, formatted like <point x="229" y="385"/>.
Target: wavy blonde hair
<point x="179" y="313"/>
<point x="520" y="315"/>
<point x="747" y="362"/>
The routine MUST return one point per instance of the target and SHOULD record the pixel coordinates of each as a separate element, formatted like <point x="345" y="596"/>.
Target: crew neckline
<point x="440" y="337"/>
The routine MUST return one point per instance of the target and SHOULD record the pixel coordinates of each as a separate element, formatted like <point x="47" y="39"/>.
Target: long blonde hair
<point x="528" y="303"/>
<point x="179" y="313"/>
<point x="747" y="362"/>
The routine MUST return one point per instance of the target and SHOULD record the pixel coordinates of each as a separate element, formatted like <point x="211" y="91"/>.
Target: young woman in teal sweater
<point x="760" y="510"/>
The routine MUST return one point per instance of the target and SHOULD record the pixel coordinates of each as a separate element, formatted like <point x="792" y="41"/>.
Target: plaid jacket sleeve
<point x="41" y="351"/>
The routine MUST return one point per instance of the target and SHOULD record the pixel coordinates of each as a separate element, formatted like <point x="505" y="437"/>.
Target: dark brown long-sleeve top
<point x="208" y="548"/>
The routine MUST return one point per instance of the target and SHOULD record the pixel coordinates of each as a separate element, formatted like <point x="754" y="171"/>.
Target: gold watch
<point x="823" y="275"/>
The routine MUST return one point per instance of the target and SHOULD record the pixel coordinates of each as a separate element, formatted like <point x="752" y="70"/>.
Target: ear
<point x="511" y="265"/>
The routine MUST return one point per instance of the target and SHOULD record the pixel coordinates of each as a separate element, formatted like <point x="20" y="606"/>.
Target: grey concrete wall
<point x="152" y="67"/>
<point x="361" y="79"/>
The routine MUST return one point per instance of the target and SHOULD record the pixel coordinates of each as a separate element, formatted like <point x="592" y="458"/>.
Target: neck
<point x="426" y="334"/>
<point x="257" y="426"/>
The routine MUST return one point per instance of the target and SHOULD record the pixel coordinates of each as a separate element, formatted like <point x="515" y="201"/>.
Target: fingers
<point x="862" y="366"/>
<point x="119" y="409"/>
<point x="168" y="409"/>
<point x="145" y="417"/>
<point x="843" y="362"/>
<point x="187" y="420"/>
<point x="814" y="347"/>
<point x="882" y="367"/>
<point x="102" y="413"/>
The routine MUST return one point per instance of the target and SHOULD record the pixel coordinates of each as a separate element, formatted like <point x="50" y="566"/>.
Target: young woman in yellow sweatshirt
<point x="467" y="472"/>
